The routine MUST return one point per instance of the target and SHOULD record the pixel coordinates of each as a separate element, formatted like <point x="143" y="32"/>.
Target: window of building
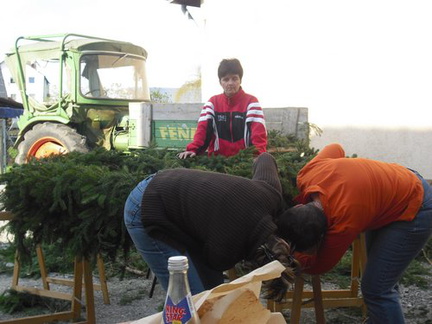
<point x="31" y="80"/>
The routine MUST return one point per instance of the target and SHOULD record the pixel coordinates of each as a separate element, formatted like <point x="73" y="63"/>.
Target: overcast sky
<point x="171" y="40"/>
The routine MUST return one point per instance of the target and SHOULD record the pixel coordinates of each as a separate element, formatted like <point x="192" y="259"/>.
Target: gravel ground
<point x="130" y="301"/>
<point x="129" y="298"/>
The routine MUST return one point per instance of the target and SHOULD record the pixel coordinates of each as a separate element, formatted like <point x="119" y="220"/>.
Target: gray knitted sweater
<point x="221" y="218"/>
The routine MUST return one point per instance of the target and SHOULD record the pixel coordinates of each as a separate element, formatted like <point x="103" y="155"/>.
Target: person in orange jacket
<point x="231" y="121"/>
<point x="342" y="197"/>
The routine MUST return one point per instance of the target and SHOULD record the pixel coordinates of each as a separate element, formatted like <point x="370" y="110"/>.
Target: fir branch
<point x="77" y="200"/>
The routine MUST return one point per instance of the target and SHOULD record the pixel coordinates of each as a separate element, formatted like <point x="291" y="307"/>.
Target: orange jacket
<point x="357" y="195"/>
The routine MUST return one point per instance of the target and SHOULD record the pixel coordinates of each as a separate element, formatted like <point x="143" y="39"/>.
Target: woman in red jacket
<point x="344" y="197"/>
<point x="231" y="121"/>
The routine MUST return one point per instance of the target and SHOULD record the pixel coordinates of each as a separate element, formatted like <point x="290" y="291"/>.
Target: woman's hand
<point x="186" y="154"/>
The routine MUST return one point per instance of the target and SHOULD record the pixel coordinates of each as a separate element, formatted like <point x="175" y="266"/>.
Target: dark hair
<point x="274" y="249"/>
<point x="230" y="66"/>
<point x="304" y="226"/>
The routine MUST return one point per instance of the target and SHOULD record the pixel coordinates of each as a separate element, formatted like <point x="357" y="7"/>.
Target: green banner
<point x="173" y="133"/>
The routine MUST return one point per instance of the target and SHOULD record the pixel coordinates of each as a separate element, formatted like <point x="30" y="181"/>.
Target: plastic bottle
<point x="179" y="307"/>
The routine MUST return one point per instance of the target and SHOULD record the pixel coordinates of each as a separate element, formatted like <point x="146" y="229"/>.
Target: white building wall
<point x="363" y="68"/>
<point x="36" y="89"/>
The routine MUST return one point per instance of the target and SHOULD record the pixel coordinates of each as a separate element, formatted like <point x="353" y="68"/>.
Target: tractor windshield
<point x="113" y="76"/>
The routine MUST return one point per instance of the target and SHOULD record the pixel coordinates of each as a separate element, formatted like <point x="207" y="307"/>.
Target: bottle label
<point x="177" y="313"/>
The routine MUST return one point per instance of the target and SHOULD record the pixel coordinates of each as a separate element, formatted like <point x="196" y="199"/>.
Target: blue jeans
<point x="390" y="251"/>
<point x="156" y="253"/>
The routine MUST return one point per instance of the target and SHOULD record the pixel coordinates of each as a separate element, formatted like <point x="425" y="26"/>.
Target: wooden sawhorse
<point x="320" y="299"/>
<point x="83" y="277"/>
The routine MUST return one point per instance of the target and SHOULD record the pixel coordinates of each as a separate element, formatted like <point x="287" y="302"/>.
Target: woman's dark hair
<point x="273" y="249"/>
<point x="304" y="226"/>
<point x="230" y="66"/>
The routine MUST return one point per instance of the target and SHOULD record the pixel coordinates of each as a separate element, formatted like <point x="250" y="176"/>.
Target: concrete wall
<point x="288" y="120"/>
<point x="174" y="125"/>
<point x="410" y="147"/>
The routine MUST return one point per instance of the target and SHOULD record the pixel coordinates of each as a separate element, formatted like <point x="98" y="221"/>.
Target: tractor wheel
<point x="49" y="138"/>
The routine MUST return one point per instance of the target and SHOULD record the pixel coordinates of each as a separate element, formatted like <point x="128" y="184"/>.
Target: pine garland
<point x="77" y="199"/>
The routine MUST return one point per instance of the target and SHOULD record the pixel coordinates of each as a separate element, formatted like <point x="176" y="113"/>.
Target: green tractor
<point x="92" y="93"/>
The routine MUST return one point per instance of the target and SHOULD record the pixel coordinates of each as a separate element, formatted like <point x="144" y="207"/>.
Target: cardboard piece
<point x="234" y="302"/>
<point x="238" y="306"/>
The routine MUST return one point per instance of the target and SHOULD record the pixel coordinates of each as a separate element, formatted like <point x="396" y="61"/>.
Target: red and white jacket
<point x="228" y="125"/>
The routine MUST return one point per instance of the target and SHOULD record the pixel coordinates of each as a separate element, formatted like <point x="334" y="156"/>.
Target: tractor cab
<point x="81" y="82"/>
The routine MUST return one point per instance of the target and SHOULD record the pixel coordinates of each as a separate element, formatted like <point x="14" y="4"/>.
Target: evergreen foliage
<point x="77" y="200"/>
<point x="12" y="301"/>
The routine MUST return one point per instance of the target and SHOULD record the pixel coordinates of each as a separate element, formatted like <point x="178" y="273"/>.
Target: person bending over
<point x="215" y="219"/>
<point x="343" y="197"/>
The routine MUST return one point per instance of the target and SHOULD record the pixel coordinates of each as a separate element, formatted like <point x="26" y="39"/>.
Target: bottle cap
<point x="178" y="262"/>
